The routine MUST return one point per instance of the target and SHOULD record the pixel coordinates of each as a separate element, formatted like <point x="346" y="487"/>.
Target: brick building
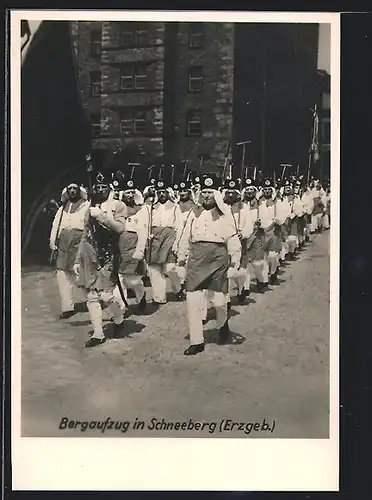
<point x="183" y="90"/>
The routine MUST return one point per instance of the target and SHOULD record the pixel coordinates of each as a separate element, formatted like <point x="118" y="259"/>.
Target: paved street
<point x="276" y="366"/>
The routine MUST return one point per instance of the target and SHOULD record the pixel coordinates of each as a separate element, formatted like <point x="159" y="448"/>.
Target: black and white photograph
<point x="177" y="227"/>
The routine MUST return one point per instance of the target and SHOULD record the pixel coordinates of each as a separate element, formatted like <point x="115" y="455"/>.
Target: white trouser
<point x="292" y="243"/>
<point x="196" y="302"/>
<point x="158" y="276"/>
<point x="66" y="282"/>
<point x="248" y="277"/>
<point x="284" y="250"/>
<point x="273" y="262"/>
<point x="237" y="281"/>
<point x="261" y="270"/>
<point x="317" y="221"/>
<point x="135" y="283"/>
<point x="95" y="309"/>
<point x="326" y="221"/>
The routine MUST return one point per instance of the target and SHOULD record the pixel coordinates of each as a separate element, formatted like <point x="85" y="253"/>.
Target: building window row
<point x="135" y="77"/>
<point x="132" y="35"/>
<point x="137" y="121"/>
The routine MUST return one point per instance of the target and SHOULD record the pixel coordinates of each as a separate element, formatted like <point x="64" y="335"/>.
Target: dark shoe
<point x="93" y="341"/>
<point x="158" y="303"/>
<point x="119" y="327"/>
<point x="67" y="314"/>
<point x="194" y="349"/>
<point x="180" y="296"/>
<point x="246" y="292"/>
<point x="229" y="306"/>
<point x="241" y="298"/>
<point x="224" y="333"/>
<point x="204" y="321"/>
<point x="262" y="287"/>
<point x="142" y="304"/>
<point x="273" y="278"/>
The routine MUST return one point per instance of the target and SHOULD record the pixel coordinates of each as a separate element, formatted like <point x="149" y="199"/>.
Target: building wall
<point x="216" y="57"/>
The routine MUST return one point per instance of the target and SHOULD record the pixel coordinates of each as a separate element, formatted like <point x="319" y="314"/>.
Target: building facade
<point x="182" y="91"/>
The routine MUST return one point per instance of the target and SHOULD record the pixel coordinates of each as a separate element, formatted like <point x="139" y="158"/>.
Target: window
<point x="133" y="122"/>
<point x="195" y="79"/>
<point x="194" y="124"/>
<point x="95" y="83"/>
<point x="96" y="124"/>
<point x="95" y="44"/>
<point x="196" y="35"/>
<point x="132" y="35"/>
<point x="133" y="77"/>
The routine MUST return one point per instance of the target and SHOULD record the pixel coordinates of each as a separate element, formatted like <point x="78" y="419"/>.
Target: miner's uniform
<point x="244" y="227"/>
<point x="132" y="244"/>
<point x="97" y="260"/>
<point x="69" y="224"/>
<point x="160" y="255"/>
<point x="208" y="244"/>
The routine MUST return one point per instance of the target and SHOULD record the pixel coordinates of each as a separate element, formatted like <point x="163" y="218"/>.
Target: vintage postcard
<point x="175" y="222"/>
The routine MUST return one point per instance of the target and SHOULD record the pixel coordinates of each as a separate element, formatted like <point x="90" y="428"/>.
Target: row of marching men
<point x="206" y="236"/>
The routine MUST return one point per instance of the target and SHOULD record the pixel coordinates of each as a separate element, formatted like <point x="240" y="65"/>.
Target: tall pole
<point x="263" y="118"/>
<point x="244" y="144"/>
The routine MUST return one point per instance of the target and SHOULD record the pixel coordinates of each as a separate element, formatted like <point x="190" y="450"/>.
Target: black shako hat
<point x="161" y="184"/>
<point x="232" y="184"/>
<point x="210" y="182"/>
<point x="250" y="183"/>
<point x="184" y="185"/>
<point x="267" y="183"/>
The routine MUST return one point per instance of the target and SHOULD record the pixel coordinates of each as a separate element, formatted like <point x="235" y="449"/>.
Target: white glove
<point x="76" y="269"/>
<point x="95" y="212"/>
<point x="181" y="273"/>
<point x="52" y="246"/>
<point x="138" y="255"/>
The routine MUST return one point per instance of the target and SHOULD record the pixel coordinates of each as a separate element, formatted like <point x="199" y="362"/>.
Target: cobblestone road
<point x="276" y="367"/>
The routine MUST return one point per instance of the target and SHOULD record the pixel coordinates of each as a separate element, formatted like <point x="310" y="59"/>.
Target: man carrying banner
<point x="97" y="260"/>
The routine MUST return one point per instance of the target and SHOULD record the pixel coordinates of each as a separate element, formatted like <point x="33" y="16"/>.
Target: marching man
<point x="186" y="206"/>
<point x="244" y="228"/>
<point x="209" y="253"/>
<point x="132" y="242"/>
<point x="97" y="260"/>
<point x="161" y="259"/>
<point x="269" y="221"/>
<point x="65" y="236"/>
